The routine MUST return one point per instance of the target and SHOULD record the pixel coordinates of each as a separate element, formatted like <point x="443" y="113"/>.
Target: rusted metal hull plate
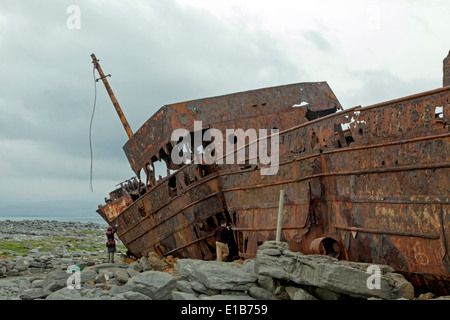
<point x="375" y="179"/>
<point x="262" y="108"/>
<point x="446" y="78"/>
<point x="163" y="220"/>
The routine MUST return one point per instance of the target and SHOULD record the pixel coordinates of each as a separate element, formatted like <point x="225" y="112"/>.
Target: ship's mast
<point x="112" y="96"/>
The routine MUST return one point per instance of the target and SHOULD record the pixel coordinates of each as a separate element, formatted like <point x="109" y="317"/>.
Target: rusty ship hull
<point x="367" y="184"/>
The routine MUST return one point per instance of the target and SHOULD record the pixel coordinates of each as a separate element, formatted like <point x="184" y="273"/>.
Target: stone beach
<point x="35" y="256"/>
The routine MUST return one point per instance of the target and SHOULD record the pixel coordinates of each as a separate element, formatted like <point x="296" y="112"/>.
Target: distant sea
<point x="60" y="219"/>
<point x="59" y="210"/>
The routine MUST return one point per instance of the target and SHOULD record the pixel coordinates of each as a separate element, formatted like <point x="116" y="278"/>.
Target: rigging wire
<point x="90" y="126"/>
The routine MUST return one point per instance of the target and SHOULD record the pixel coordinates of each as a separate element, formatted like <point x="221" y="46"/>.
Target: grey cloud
<point x="381" y="85"/>
<point x="157" y="53"/>
<point x="319" y="41"/>
<point x="156" y="56"/>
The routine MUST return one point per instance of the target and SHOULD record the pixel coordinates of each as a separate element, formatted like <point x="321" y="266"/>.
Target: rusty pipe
<point x="325" y="246"/>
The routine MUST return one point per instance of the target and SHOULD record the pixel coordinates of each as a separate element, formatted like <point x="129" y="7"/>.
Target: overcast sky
<point x="160" y="52"/>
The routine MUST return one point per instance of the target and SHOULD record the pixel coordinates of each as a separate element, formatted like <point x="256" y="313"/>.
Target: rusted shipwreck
<point x="366" y="184"/>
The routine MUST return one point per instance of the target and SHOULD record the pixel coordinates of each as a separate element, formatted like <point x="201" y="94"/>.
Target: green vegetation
<point x="14" y="248"/>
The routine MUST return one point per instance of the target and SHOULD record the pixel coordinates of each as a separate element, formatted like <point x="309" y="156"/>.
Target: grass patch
<point x="88" y="232"/>
<point x="16" y="246"/>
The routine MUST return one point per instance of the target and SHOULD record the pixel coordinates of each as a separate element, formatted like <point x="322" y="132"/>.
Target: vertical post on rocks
<point x="280" y="216"/>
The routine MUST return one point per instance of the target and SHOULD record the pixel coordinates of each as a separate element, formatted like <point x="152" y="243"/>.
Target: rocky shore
<point x="35" y="256"/>
<point x="38" y="246"/>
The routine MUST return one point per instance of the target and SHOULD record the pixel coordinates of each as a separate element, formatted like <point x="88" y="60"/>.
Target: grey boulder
<point x="216" y="275"/>
<point x="325" y="272"/>
<point x="154" y="284"/>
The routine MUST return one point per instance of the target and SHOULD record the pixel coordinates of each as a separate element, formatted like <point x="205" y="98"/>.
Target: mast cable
<point x="90" y="126"/>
